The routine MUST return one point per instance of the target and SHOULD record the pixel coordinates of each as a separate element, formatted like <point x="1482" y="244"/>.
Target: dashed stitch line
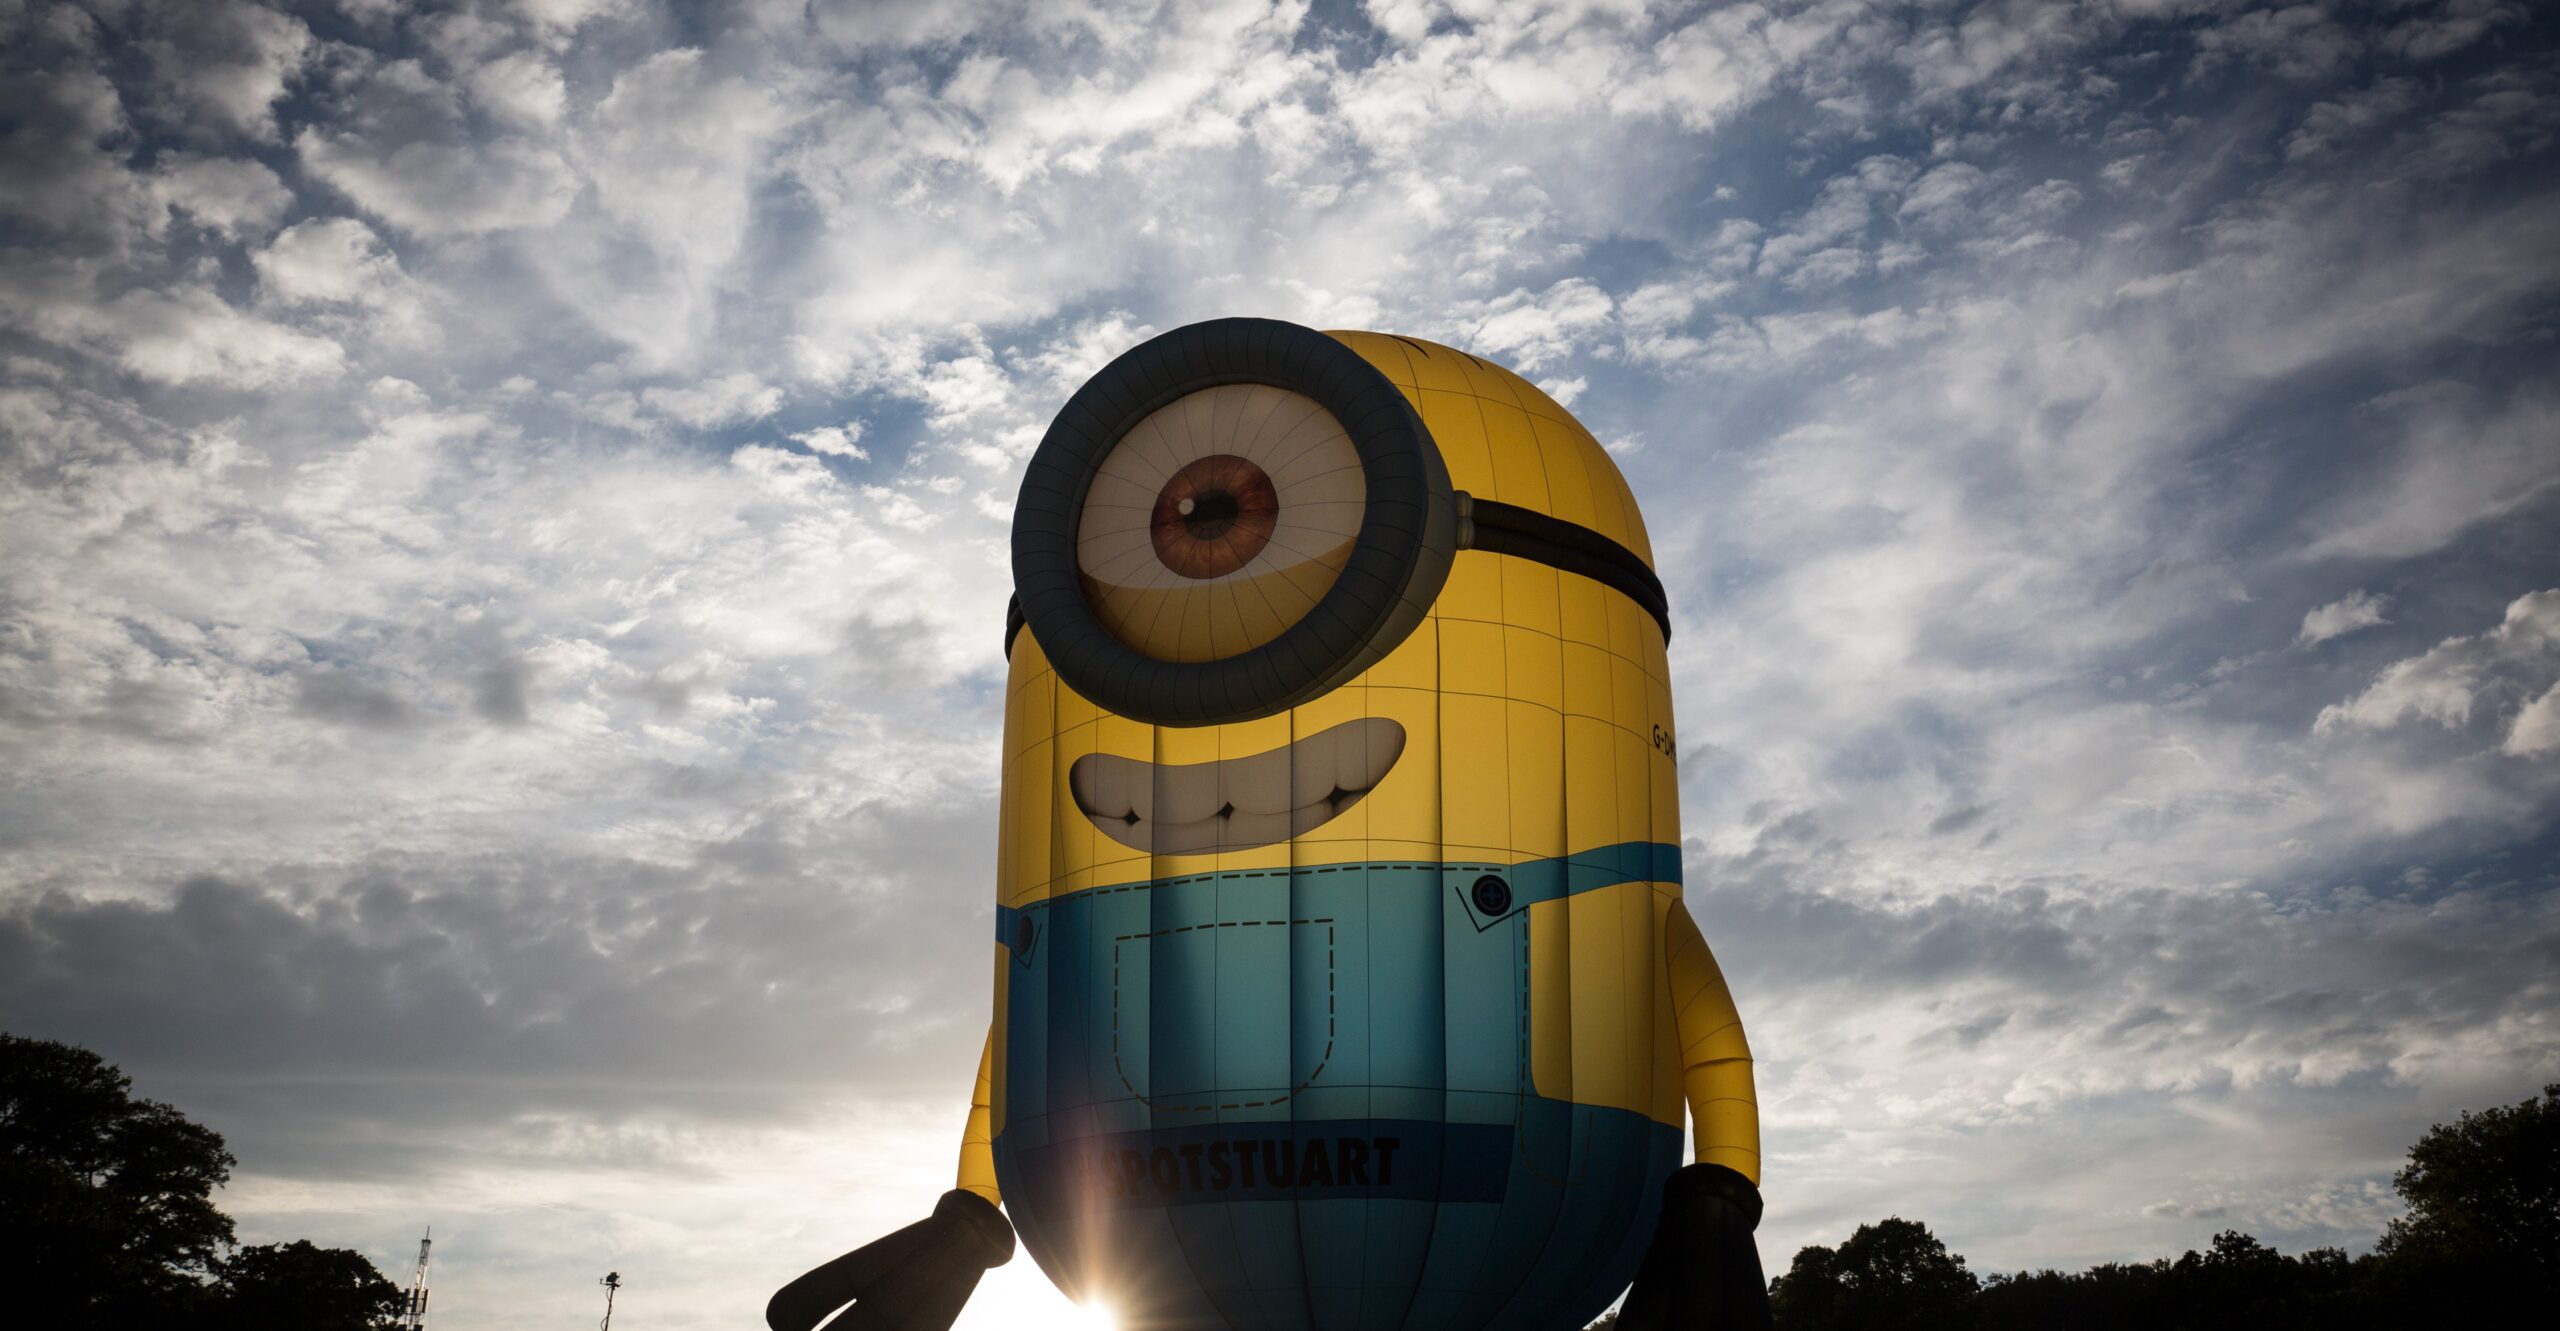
<point x="1528" y="1088"/>
<point x="1329" y="1019"/>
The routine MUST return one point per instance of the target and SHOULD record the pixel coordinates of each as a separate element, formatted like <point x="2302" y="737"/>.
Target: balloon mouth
<point x="1235" y="803"/>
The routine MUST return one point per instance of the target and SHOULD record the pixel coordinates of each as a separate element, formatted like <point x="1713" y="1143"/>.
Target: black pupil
<point x="1212" y="513"/>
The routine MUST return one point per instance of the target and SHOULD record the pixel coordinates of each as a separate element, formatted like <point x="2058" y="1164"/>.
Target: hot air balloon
<point x="1341" y="974"/>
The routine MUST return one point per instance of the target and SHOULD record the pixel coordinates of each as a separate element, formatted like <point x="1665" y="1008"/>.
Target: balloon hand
<point x="1702" y="1272"/>
<point x="916" y="1279"/>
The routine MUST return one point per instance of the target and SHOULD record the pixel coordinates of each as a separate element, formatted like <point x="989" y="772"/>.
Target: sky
<point x="503" y="517"/>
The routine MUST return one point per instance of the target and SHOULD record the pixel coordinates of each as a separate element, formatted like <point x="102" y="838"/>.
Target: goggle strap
<point x="1523" y="533"/>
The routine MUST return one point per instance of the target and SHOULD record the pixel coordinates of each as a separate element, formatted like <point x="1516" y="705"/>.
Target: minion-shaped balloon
<point x="1341" y="975"/>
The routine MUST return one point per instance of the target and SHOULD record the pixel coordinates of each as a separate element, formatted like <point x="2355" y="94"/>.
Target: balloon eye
<point x="1219" y="521"/>
<point x="1228" y="520"/>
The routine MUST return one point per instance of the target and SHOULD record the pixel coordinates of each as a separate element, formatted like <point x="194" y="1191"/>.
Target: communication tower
<point x="413" y="1306"/>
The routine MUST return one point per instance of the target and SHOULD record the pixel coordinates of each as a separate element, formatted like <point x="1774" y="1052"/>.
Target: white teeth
<point x="1235" y="803"/>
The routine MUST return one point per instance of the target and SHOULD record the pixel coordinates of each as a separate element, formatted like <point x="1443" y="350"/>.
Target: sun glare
<point x="1094" y="1317"/>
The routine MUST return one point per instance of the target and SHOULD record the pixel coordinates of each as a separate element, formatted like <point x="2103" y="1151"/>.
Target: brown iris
<point x="1214" y="516"/>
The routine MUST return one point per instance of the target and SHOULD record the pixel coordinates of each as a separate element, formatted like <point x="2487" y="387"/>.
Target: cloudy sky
<point x="502" y="520"/>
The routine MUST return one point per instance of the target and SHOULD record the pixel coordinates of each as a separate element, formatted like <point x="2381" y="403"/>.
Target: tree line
<point x="107" y="1221"/>
<point x="2479" y="1247"/>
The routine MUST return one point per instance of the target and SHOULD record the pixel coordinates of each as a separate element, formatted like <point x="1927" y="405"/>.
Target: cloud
<point x="521" y="87"/>
<point x="1941" y="190"/>
<point x="440" y="189"/>
<point x="337" y="696"/>
<point x="2537" y="727"/>
<point x="2448" y="681"/>
<point x="180" y="335"/>
<point x="2358" y="610"/>
<point x="1730" y="57"/>
<point x="330" y="261"/>
<point x="2452" y="27"/>
<point x="226" y="59"/>
<point x="402" y="150"/>
<point x="834" y="440"/>
<point x="669" y="157"/>
<point x="856" y="24"/>
<point x="1919" y="1033"/>
<point x="1530" y="330"/>
<point x="557" y="19"/>
<point x="404" y="996"/>
<point x="723" y="401"/>
<point x="64" y="180"/>
<point x="233" y="197"/>
<point x="2301" y="42"/>
<point x="2462" y="458"/>
<point x="2037" y="980"/>
<point x="2331" y="122"/>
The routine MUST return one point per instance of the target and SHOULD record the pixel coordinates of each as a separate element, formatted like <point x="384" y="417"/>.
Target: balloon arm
<point x="1703" y="1271"/>
<point x="916" y="1279"/>
<point x="1715" y="1059"/>
<point x="977" y="1141"/>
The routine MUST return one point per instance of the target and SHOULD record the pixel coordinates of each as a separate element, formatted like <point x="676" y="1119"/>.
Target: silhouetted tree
<point x="107" y="1219"/>
<point x="2237" y="1283"/>
<point x="2484" y="1213"/>
<point x="2487" y="1186"/>
<point x="2036" y="1300"/>
<point x="2229" y="1279"/>
<point x="2241" y="1282"/>
<point x="106" y="1201"/>
<point x="2479" y="1247"/>
<point x="1891" y="1274"/>
<point x="309" y="1289"/>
